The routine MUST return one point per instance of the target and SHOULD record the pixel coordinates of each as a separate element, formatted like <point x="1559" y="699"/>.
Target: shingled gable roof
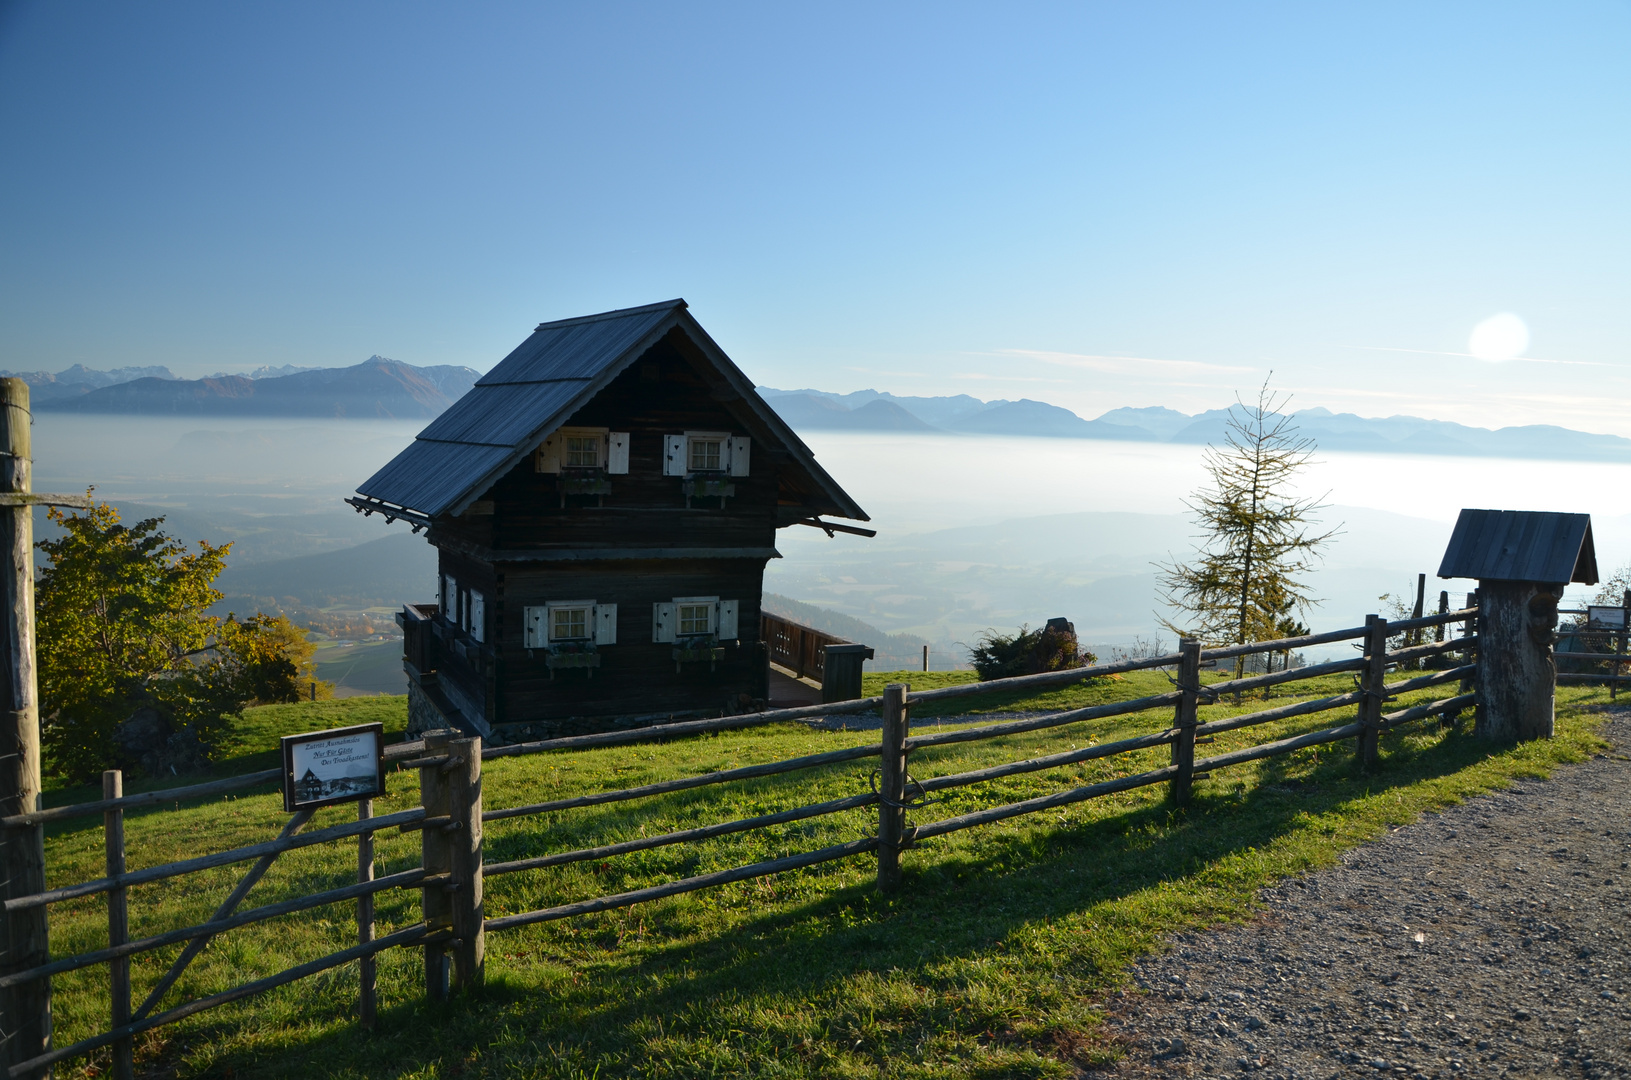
<point x="536" y="389"/>
<point x="1521" y="545"/>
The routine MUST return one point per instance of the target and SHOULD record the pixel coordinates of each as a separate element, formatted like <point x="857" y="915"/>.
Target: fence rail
<point x="450" y="819"/>
<point x="1609" y="633"/>
<point x="216" y="859"/>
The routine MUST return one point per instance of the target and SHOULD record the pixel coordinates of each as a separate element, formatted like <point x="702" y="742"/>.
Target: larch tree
<point x="1258" y="539"/>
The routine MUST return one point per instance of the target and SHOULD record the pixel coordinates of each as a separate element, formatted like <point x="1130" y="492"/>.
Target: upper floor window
<point x="581" y="452"/>
<point x="584" y="448"/>
<point x="706" y="453"/>
<point x="714" y="452"/>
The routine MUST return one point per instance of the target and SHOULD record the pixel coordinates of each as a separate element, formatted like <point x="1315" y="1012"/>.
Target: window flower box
<point x="585" y="483"/>
<point x="572" y="654"/>
<point x="706" y="487"/>
<point x="696" y="650"/>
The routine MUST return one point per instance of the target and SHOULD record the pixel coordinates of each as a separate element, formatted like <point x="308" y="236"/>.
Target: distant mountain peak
<point x="377" y="387"/>
<point x="1335" y="432"/>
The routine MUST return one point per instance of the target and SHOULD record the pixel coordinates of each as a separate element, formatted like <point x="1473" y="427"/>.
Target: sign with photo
<point x="1605" y="616"/>
<point x="322" y="768"/>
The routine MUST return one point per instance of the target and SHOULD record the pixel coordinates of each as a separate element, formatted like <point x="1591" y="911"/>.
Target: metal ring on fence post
<point x="910" y="803"/>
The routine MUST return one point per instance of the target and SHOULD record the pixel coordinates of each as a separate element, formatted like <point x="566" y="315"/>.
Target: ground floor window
<point x="696" y="619"/>
<point x="568" y="623"/>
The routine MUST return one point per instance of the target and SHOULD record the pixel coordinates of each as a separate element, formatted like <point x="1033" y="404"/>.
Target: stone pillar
<point x="1517" y="672"/>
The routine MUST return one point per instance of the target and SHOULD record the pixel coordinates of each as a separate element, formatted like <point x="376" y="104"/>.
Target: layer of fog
<point x="974" y="532"/>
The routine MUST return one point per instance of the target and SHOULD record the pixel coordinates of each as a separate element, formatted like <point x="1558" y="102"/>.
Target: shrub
<point x="1029" y="652"/>
<point x="132" y="670"/>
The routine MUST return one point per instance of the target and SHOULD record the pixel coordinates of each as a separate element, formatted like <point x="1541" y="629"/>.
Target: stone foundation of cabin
<point x="423" y="715"/>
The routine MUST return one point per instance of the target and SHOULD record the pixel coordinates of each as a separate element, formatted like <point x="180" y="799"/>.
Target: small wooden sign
<point x="321" y="768"/>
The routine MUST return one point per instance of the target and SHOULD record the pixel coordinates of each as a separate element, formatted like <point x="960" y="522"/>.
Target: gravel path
<point x="1487" y="940"/>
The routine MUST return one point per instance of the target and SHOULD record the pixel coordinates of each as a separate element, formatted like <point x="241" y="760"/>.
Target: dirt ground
<point x="1489" y="940"/>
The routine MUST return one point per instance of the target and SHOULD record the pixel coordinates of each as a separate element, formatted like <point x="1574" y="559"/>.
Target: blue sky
<point x="1097" y="205"/>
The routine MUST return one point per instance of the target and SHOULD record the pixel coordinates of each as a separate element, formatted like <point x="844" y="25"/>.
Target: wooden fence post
<point x="113" y="834"/>
<point x="1185" y="717"/>
<point x="436" y="857"/>
<point x="1372" y="679"/>
<point x="1619" y="647"/>
<point x="25" y="1011"/>
<point x="1468" y="628"/>
<point x="1416" y="635"/>
<point x="892" y="786"/>
<point x="464" y="843"/>
<point x="1443" y="609"/>
<point x="367" y="967"/>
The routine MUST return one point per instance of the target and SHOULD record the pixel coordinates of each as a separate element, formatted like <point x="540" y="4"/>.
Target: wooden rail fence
<point x="451" y="817"/>
<point x="1603" y="650"/>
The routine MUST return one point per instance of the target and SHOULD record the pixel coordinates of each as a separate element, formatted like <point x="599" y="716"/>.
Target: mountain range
<point x="870" y="410"/>
<point x="378" y="387"/>
<point x="79" y="379"/>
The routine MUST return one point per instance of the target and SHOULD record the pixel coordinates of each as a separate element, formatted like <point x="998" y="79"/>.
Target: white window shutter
<point x="617" y="453"/>
<point x="536" y="631"/>
<point x="725" y="620"/>
<point x="549" y="455"/>
<point x="450" y="599"/>
<point x="739" y="455"/>
<point x="605" y="624"/>
<point x="662" y="623"/>
<point x="674" y="455"/>
<point x="478" y="616"/>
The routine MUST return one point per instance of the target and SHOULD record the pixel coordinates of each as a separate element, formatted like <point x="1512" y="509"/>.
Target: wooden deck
<point x="788" y="692"/>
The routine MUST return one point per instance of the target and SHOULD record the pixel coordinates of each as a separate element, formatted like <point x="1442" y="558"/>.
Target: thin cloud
<point x="1005" y="378"/>
<point x="891" y="374"/>
<point x="1119" y="364"/>
<point x="1486" y="409"/>
<point x="1470" y="356"/>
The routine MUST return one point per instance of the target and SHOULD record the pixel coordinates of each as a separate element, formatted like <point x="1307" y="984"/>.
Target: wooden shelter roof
<point x="545" y="380"/>
<point x="1521" y="545"/>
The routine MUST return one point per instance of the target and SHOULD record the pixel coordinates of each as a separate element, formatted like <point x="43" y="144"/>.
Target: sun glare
<point x="1499" y="337"/>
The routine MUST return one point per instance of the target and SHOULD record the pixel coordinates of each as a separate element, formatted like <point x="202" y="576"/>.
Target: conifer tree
<point x="1245" y="580"/>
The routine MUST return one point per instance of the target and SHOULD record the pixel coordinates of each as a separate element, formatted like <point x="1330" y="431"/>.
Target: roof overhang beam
<point x="830" y="527"/>
<point x="368" y="507"/>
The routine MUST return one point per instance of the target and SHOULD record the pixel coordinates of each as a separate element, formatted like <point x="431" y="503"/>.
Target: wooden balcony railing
<point x="797" y="648"/>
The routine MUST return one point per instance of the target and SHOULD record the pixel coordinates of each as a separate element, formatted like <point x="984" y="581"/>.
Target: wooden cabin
<point x="602" y="504"/>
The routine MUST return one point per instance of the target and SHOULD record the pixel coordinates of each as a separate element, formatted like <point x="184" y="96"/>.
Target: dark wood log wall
<point x="510" y="549"/>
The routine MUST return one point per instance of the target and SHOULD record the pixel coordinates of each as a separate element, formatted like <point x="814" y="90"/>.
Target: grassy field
<point x="989" y="963"/>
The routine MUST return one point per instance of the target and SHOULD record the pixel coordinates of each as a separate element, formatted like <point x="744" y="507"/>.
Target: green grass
<point x="252" y="746"/>
<point x="990" y="962"/>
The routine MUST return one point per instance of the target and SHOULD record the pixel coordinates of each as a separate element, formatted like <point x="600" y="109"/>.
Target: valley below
<point x="975" y="532"/>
